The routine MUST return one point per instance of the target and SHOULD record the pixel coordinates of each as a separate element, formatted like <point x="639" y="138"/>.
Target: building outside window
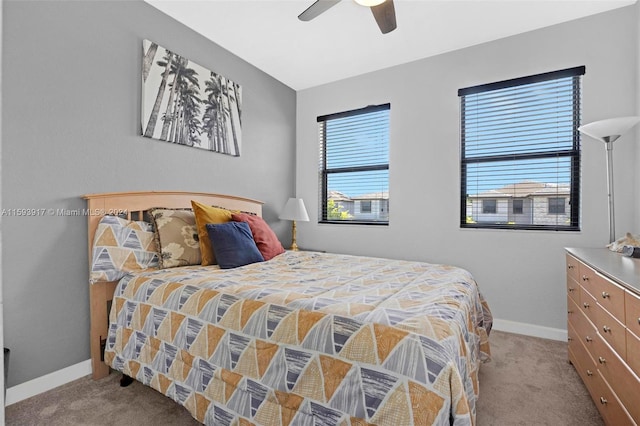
<point x="556" y="205"/>
<point x="518" y="207"/>
<point x="365" y="206"/>
<point x="489" y="206"/>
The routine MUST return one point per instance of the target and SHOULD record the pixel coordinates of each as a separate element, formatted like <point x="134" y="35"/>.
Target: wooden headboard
<point x="133" y="205"/>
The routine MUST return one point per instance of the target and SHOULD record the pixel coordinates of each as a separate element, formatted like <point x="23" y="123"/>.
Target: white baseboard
<point x="47" y="382"/>
<point x="58" y="378"/>
<point x="530" y="329"/>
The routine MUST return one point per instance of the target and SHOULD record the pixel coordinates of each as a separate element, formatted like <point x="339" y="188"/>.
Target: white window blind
<point x="354" y="166"/>
<point x="519" y="140"/>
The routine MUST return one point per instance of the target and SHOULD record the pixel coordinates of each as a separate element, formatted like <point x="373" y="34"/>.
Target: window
<point x="556" y="205"/>
<point x="518" y="207"/>
<point x="520" y="146"/>
<point x="365" y="206"/>
<point x="489" y="206"/>
<point x="354" y="166"/>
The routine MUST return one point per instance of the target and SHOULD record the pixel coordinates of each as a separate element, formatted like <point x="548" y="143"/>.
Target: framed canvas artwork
<point x="187" y="104"/>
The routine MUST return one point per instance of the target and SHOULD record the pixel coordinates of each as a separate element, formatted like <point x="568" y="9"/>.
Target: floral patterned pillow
<point x="176" y="237"/>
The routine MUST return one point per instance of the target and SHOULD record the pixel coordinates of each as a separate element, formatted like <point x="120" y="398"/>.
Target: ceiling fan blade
<point x="385" y="15"/>
<point x="317" y="8"/>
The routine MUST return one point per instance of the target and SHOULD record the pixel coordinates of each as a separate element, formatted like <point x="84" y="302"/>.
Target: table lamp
<point x="294" y="210"/>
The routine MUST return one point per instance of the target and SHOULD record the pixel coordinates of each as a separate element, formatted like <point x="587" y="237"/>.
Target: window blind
<point x="354" y="166"/>
<point x="520" y="152"/>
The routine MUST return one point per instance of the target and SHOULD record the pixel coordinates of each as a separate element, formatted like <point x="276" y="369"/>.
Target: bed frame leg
<point x="125" y="381"/>
<point x="101" y="294"/>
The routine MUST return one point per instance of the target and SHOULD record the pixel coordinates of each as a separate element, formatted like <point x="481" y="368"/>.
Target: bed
<point x="304" y="338"/>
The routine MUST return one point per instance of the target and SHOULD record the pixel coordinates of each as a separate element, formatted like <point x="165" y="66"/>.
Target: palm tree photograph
<point x="186" y="104"/>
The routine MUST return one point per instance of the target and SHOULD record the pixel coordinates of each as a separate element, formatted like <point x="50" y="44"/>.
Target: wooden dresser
<point x="603" y="305"/>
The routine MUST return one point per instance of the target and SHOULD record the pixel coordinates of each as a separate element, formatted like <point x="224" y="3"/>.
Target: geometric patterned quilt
<point x="306" y="339"/>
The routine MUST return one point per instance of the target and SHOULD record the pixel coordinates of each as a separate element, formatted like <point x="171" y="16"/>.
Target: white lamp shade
<point x="611" y="128"/>
<point x="369" y="3"/>
<point x="294" y="210"/>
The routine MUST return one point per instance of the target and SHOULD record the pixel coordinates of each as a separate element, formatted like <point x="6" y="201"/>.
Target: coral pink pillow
<point x="263" y="235"/>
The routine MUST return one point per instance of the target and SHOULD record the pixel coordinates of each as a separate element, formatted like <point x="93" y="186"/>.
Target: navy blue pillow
<point x="233" y="244"/>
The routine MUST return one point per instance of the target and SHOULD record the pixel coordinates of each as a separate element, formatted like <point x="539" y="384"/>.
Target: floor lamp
<point x="294" y="210"/>
<point x="608" y="131"/>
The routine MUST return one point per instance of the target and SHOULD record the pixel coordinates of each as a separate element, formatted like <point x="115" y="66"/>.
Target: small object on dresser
<point x="631" y="251"/>
<point x="628" y="240"/>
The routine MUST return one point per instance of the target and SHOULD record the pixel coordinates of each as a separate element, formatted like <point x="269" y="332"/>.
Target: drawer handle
<point x="603" y="401"/>
<point x="585" y="278"/>
<point x="602" y="360"/>
<point x="605" y="295"/>
<point x="606" y="329"/>
<point x="588" y="339"/>
<point x="571" y="289"/>
<point x="570" y="312"/>
<point x="570" y="266"/>
<point x="586" y="305"/>
<point x="589" y="373"/>
<point x="569" y="339"/>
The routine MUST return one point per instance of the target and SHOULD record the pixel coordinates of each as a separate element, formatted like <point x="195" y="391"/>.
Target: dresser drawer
<point x="624" y="383"/>
<point x="633" y="352"/>
<point x="573" y="340"/>
<point x="573" y="289"/>
<point x="582" y="361"/>
<point x="610" y="406"/>
<point x="585" y="331"/>
<point x="611" y="330"/>
<point x="610" y="296"/>
<point x="588" y="305"/>
<point x="573" y="269"/>
<point x="632" y="312"/>
<point x="587" y="278"/>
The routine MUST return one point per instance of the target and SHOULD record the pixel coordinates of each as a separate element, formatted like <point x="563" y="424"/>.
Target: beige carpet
<point x="528" y="382"/>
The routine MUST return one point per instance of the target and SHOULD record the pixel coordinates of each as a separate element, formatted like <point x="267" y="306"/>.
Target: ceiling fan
<point x="383" y="12"/>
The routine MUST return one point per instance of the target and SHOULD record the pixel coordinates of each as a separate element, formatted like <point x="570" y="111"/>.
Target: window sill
<point x="352" y="222"/>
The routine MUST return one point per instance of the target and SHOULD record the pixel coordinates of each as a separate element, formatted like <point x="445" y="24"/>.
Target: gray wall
<point x="520" y="272"/>
<point x="71" y="117"/>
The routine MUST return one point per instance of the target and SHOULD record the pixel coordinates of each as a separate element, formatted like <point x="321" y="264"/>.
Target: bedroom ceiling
<point x="345" y="40"/>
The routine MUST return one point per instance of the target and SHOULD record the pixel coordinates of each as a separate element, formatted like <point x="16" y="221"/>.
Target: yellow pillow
<point x="207" y="214"/>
